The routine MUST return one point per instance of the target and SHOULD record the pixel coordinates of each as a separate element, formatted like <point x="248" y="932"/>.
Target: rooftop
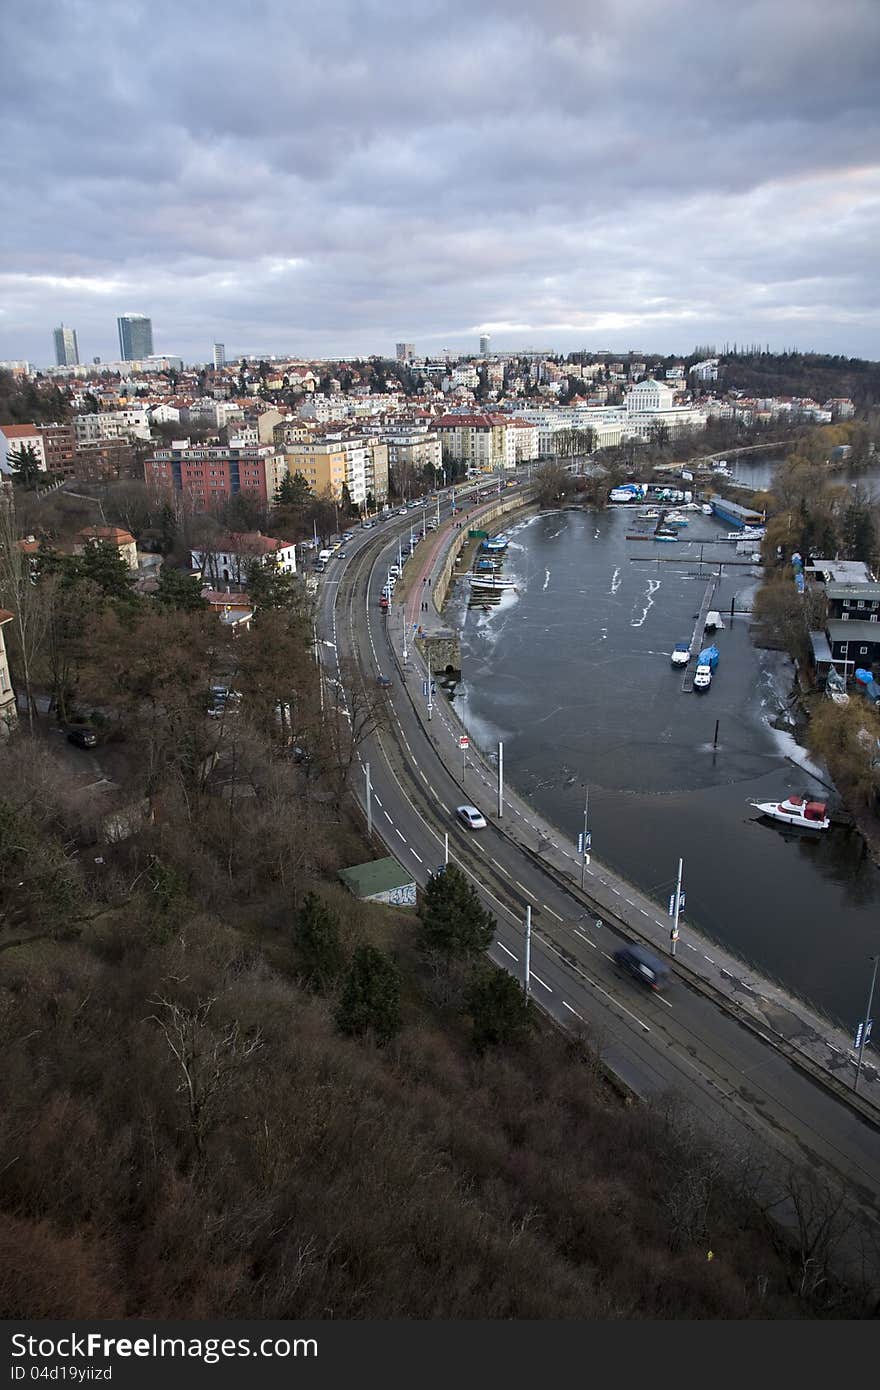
<point x="377" y="876"/>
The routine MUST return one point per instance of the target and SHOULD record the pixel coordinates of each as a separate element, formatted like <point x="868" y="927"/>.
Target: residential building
<point x="211" y="474"/>
<point x="106" y="459"/>
<point x="853" y="602"/>
<point x="480" y="441"/>
<point x="484" y="344"/>
<point x="7" y="694"/>
<point x="66" y="348"/>
<point x="122" y="541"/>
<point x="111" y="424"/>
<point x="219" y="356"/>
<point x="405" y="352"/>
<point x="135" y="337"/>
<point x="16" y="437"/>
<point x="17" y="368"/>
<point x="412" y="451"/>
<point x="705" y="371"/>
<point x="230" y="558"/>
<point x="267" y="423"/>
<point x="59" y="449"/>
<point x="329" y="462"/>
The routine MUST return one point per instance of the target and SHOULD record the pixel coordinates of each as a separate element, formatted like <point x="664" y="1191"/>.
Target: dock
<point x="687" y="683"/>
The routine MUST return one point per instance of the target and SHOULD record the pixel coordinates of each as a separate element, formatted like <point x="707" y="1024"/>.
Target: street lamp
<point x="865" y="1025"/>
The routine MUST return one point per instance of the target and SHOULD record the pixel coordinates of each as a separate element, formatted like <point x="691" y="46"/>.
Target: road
<point x="681" y="1043"/>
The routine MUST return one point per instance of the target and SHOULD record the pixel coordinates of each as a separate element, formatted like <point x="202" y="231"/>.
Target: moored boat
<point x="796" y="810"/>
<point x="681" y="654"/>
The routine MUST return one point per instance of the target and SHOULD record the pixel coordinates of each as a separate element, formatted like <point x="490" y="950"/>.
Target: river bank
<point x="572" y="674"/>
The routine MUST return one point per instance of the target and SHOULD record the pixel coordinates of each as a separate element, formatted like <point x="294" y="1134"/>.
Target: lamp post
<point x="866" y="1021"/>
<point x="673" y="935"/>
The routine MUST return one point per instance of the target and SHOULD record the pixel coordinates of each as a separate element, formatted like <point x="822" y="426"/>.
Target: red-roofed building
<point x="122" y="541"/>
<point x="228" y="560"/>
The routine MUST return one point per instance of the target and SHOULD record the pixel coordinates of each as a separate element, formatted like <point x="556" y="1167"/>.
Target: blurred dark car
<point x="82" y="737"/>
<point x="643" y="966"/>
<point x="384" y="683"/>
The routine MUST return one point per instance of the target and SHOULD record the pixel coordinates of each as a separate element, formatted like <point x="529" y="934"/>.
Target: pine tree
<point x="370" y="999"/>
<point x="179" y="590"/>
<point x="498" y="1007"/>
<point x="454" y="923"/>
<point x="25" y="465"/>
<point x="316" y="942"/>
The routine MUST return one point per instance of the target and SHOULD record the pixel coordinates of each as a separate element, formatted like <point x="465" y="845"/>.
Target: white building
<point x="705" y="371"/>
<point x="230" y="559"/>
<point x="648" y="395"/>
<point x="114" y="424"/>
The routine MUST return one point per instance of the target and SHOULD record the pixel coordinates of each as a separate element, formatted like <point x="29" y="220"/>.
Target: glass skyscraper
<point x="135" y="337"/>
<point x="66" y="349"/>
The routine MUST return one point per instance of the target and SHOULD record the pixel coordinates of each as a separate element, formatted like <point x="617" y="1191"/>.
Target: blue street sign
<point x="867" y="1031"/>
<point x="589" y="839"/>
<point x="424" y="687"/>
<point x="581" y="842"/>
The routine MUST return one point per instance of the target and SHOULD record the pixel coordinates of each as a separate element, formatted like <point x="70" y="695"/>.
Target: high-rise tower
<point x="66" y="349"/>
<point x="135" y="337"/>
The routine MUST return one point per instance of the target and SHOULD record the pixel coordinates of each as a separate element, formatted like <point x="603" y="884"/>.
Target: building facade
<point x="228" y="561"/>
<point x="209" y="475"/>
<point x="135" y="337"/>
<point x="66" y="347"/>
<point x="219" y="356"/>
<point x="8" y="711"/>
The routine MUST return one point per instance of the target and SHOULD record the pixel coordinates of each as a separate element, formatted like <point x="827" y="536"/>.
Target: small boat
<point x="674" y="519"/>
<point x="681" y="654"/>
<point x="796" y="810"/>
<point x="713" y="621"/>
<point x="662" y="534"/>
<point x="709" y="657"/>
<point x="706" y="509"/>
<point x="649" y="514"/>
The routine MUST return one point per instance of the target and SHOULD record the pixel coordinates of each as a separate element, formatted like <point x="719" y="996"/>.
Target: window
<point x="861" y="603"/>
<point x="844" y="617"/>
<point x="863" y="651"/>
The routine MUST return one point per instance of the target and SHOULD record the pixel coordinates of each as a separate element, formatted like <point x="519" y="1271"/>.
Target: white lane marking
<point x="504" y="948"/>
<point x="499" y="866"/>
<point x="708" y="958"/>
<point x="552" y="913"/>
<point x="387" y="817"/>
<point x="376" y="799"/>
<point x="585" y="938"/>
<point x="630" y="901"/>
<point x="644" y="911"/>
<point x="573" y="1011"/>
<point x="616" y="891"/>
<point x="397" y="832"/>
<point x="525" y="890"/>
<point x="416" y="856"/>
<point x="533" y="976"/>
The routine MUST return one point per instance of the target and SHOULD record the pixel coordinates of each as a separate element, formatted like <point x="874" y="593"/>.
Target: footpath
<point x="810" y="1041"/>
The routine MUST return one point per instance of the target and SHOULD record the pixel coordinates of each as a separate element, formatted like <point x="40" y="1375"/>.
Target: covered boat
<point x="796" y="810"/>
<point x="709" y="657"/>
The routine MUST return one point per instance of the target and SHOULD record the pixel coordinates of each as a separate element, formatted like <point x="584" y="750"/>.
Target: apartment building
<point x="480" y="441"/>
<point x="327" y="463"/>
<point x="413" y="451"/>
<point x="111" y="424"/>
<point x="16" y="437"/>
<point x="208" y="475"/>
<point x="230" y="558"/>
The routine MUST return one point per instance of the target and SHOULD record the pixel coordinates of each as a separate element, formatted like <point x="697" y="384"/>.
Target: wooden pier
<point x="687" y="683"/>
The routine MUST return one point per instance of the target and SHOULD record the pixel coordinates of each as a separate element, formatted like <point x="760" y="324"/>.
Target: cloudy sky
<point x="330" y="177"/>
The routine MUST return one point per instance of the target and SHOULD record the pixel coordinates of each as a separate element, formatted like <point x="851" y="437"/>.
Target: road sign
<point x="580" y="842"/>
<point x="424" y="687"/>
<point x="867" y="1032"/>
<point x="680" y="903"/>
<point x="589" y="844"/>
<point x="673" y="935"/>
<point x="463" y="741"/>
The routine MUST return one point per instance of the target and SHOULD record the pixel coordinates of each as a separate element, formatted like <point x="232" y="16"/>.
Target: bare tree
<point x="27" y="601"/>
<point x="206" y="1060"/>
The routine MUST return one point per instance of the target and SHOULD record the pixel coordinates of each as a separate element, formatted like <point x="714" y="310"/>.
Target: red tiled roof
<point x="5" y="616"/>
<point x="114" y="534"/>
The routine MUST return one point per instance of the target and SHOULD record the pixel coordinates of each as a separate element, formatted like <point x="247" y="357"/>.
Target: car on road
<point x="82" y="736"/>
<point x="643" y="965"/>
<point x="384" y="683"/>
<point x="471" y="817"/>
<point x="394" y="572"/>
<point x="431" y="526"/>
<point x="348" y="535"/>
<point x="368" y="525"/>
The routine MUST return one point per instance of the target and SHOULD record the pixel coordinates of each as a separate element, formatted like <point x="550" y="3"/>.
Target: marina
<point x="601" y="629"/>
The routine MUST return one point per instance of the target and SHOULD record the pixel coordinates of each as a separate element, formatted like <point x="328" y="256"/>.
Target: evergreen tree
<point x="317" y="945"/>
<point x="346" y="505"/>
<point x="859" y="536"/>
<point x="179" y="590"/>
<point x="498" y="1007"/>
<point x="25" y="465"/>
<point x="102" y="565"/>
<point x="370" y="999"/>
<point x="269" y="586"/>
<point x="454" y="923"/>
<point x="293" y="491"/>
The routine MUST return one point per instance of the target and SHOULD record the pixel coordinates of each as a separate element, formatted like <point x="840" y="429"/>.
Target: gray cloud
<point x="330" y="178"/>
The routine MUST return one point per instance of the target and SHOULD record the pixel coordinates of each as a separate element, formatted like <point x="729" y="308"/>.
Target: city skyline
<point x="574" y="176"/>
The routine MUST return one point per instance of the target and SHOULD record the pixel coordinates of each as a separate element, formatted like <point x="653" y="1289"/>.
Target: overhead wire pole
<point x="500" y="779"/>
<point x="527" y="973"/>
<point x="369" y="801"/>
<point x="673" y="935"/>
<point x="866" y="1022"/>
<point x="585" y="853"/>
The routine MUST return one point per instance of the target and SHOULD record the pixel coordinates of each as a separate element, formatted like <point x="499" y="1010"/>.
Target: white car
<point x="394" y="572"/>
<point x="702" y="678"/>
<point x="471" y="817"/>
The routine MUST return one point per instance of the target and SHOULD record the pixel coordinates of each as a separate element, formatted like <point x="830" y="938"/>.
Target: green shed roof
<point x="377" y="876"/>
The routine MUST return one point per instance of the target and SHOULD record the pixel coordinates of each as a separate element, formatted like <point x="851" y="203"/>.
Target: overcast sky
<point x="328" y="178"/>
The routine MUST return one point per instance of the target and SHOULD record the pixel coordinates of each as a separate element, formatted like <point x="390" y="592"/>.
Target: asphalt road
<point x="679" y="1044"/>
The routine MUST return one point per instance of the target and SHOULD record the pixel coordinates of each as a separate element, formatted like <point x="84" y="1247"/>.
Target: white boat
<point x="713" y="621"/>
<point x="681" y="654"/>
<point x="706" y="509"/>
<point x="796" y="810"/>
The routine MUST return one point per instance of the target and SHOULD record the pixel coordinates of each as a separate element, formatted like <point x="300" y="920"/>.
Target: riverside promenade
<point x="810" y="1041"/>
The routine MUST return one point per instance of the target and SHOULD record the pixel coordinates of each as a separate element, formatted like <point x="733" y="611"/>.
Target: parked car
<point x="642" y="965"/>
<point x="82" y="736"/>
<point x="348" y="535"/>
<point x="394" y="572"/>
<point x="471" y="817"/>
